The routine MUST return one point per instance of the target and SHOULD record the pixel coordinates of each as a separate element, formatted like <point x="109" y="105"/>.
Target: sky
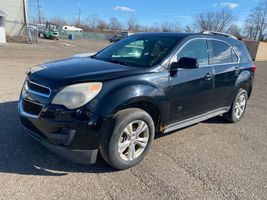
<point x="147" y="12"/>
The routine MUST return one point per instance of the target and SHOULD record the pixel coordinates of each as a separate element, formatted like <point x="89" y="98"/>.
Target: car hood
<point x="73" y="70"/>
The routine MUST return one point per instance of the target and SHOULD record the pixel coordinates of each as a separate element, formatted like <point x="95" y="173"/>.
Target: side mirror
<point x="185" y="63"/>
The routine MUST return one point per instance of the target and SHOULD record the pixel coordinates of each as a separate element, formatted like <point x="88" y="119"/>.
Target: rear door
<point x="226" y="69"/>
<point x="191" y="90"/>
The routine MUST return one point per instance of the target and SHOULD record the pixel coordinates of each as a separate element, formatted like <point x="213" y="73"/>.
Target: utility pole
<point x="79" y="18"/>
<point x="39" y="11"/>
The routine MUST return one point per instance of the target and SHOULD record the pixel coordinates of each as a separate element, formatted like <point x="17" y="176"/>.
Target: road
<point x="210" y="160"/>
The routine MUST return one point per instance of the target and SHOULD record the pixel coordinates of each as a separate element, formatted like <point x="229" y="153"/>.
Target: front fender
<point x="132" y="94"/>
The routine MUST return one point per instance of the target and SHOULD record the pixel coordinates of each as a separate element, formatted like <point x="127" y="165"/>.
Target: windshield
<point x="139" y="51"/>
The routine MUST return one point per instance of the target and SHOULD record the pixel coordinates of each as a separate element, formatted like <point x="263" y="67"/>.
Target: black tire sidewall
<point x="120" y="124"/>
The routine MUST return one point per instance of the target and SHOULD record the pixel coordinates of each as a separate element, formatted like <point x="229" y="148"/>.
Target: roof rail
<point x="218" y="33"/>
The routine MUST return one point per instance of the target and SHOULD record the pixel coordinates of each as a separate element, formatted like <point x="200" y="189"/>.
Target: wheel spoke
<point x="236" y="112"/>
<point x="142" y="142"/>
<point x="141" y="128"/>
<point x="131" y="152"/>
<point x="243" y="103"/>
<point x="123" y="146"/>
<point x="239" y="112"/>
<point x="129" y="130"/>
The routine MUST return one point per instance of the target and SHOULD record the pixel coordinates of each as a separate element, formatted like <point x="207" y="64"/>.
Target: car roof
<point x="189" y="35"/>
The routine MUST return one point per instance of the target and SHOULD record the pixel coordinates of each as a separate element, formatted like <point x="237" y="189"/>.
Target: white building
<point x="2" y="27"/>
<point x="16" y="15"/>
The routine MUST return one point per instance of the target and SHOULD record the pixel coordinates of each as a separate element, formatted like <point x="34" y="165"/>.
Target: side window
<point x="196" y="49"/>
<point x="221" y="53"/>
<point x="234" y="57"/>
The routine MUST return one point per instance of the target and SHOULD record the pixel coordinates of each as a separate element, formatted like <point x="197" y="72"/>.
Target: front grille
<point x="42" y="90"/>
<point x="31" y="108"/>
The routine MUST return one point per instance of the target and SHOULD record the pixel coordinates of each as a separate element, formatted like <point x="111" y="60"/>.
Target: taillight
<point x="254" y="67"/>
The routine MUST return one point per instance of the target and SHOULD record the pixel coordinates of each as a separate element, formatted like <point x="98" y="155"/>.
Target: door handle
<point x="208" y="76"/>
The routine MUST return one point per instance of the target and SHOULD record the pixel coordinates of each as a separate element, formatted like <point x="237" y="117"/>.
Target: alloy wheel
<point x="133" y="140"/>
<point x="240" y="106"/>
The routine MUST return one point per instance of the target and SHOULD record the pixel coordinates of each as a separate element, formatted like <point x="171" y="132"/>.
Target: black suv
<point x="114" y="102"/>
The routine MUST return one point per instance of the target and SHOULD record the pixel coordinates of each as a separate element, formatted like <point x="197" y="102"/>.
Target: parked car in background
<point x="114" y="101"/>
<point x="121" y="35"/>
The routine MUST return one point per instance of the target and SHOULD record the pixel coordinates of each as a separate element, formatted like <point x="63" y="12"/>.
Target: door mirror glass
<point x="185" y="63"/>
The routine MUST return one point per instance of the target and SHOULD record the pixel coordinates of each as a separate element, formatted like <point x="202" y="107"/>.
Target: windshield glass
<point x="139" y="51"/>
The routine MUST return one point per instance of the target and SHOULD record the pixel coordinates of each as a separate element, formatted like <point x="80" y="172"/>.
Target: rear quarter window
<point x="221" y="52"/>
<point x="242" y="51"/>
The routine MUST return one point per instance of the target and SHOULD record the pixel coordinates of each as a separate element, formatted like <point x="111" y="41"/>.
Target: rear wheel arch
<point x="243" y="81"/>
<point x="247" y="86"/>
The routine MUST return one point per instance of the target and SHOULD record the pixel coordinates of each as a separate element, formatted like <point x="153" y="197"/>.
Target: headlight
<point x="75" y="96"/>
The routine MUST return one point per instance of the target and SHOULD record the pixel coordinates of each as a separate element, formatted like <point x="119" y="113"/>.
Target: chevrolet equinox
<point x="114" y="102"/>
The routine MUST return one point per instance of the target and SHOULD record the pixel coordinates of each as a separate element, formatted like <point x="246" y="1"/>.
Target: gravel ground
<point x="210" y="160"/>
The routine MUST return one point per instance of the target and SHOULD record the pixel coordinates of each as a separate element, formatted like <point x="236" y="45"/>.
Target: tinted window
<point x="234" y="57"/>
<point x="196" y="49"/>
<point x="139" y="51"/>
<point x="221" y="52"/>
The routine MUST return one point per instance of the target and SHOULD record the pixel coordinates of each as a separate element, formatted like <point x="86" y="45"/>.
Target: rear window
<point x="221" y="52"/>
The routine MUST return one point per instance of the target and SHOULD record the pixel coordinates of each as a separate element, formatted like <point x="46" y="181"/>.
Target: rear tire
<point x="127" y="138"/>
<point x="238" y="107"/>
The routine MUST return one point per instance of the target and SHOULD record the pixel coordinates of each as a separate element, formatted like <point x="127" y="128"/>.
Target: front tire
<point x="127" y="138"/>
<point x="238" y="107"/>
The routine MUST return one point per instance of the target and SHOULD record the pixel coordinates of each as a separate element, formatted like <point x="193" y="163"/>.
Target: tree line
<point x="255" y="24"/>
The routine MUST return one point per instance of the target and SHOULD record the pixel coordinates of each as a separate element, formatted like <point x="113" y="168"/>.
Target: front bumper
<point x="70" y="138"/>
<point x="76" y="156"/>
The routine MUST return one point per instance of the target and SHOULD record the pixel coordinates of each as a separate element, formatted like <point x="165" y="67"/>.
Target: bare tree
<point x="214" y="21"/>
<point x="166" y="27"/>
<point x="234" y="30"/>
<point x="58" y="21"/>
<point x="190" y="29"/>
<point x="256" y="23"/>
<point x="92" y="22"/>
<point x="102" y="25"/>
<point x="133" y="25"/>
<point x="114" y="24"/>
